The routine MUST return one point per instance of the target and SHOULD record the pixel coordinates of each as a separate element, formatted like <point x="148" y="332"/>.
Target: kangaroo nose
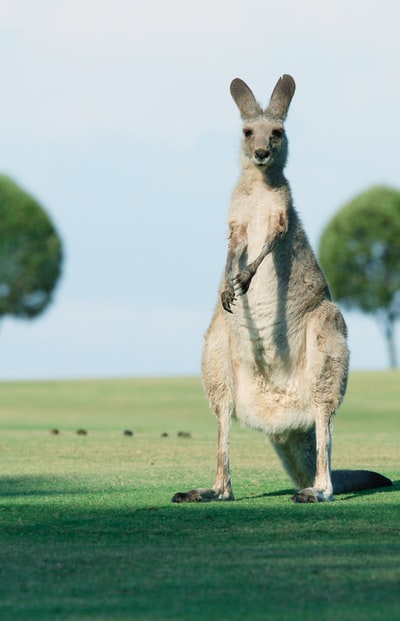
<point x="261" y="154"/>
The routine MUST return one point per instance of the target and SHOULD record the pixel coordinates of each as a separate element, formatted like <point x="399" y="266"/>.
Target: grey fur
<point x="275" y="354"/>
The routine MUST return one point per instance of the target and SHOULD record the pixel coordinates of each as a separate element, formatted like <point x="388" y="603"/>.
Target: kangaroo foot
<point x="202" y="495"/>
<point x="310" y="494"/>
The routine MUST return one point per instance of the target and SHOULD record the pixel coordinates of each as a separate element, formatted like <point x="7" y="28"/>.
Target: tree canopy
<point x="360" y="254"/>
<point x="30" y="253"/>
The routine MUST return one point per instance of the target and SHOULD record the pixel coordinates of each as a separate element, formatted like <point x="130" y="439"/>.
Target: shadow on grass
<point x="31" y="485"/>
<point x="18" y="486"/>
<point x="104" y="554"/>
<point x="284" y="492"/>
<point x="380" y="490"/>
<point x="289" y="492"/>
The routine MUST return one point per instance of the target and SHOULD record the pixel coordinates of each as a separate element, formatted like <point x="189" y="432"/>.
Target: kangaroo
<point x="275" y="355"/>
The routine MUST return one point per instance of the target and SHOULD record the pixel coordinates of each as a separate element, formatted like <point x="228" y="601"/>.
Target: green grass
<point x="87" y="529"/>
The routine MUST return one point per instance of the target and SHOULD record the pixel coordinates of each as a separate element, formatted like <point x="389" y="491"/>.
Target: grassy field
<point x="87" y="529"/>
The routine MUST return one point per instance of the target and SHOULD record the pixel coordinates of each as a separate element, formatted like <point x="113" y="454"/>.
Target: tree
<point x="360" y="254"/>
<point x="30" y="253"/>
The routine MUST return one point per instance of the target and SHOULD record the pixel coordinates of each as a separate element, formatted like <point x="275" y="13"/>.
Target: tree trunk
<point x="389" y="325"/>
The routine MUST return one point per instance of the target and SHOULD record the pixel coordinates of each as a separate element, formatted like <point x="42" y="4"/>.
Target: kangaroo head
<point x="264" y="140"/>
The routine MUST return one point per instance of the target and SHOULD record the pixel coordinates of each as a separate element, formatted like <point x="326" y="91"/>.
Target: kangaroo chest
<point x="268" y="324"/>
<point x="257" y="314"/>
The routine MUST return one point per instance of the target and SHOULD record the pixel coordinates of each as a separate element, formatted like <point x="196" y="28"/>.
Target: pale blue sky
<point x="117" y="116"/>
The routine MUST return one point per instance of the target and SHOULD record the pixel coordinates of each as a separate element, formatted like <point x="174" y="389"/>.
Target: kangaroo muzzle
<point x="261" y="156"/>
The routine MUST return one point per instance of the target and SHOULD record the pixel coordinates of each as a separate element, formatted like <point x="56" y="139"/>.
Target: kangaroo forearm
<point x="237" y="245"/>
<point x="232" y="260"/>
<point x="278" y="228"/>
<point x="243" y="279"/>
<point x="268" y="246"/>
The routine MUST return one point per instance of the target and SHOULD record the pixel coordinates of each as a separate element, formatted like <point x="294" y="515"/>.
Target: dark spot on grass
<point x="184" y="434"/>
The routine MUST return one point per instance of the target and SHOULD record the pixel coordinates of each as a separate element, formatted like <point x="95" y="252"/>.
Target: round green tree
<point x="360" y="254"/>
<point x="30" y="253"/>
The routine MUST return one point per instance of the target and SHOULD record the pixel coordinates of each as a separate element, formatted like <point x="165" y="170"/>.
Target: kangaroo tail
<point x="356" y="480"/>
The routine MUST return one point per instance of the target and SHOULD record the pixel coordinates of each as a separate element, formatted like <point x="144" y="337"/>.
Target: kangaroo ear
<point x="281" y="97"/>
<point x="244" y="99"/>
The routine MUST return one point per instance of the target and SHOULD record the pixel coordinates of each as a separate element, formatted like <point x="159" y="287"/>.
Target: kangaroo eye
<point x="277" y="132"/>
<point x="247" y="132"/>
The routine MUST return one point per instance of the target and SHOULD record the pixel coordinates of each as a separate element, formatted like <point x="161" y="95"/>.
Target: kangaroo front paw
<point x="242" y="281"/>
<point x="228" y="299"/>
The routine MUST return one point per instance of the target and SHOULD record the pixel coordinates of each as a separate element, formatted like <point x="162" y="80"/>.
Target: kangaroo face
<point x="264" y="142"/>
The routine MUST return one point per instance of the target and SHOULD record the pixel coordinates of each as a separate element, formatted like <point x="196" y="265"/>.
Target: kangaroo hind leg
<point x="327" y="370"/>
<point x="218" y="380"/>
<point x="297" y="452"/>
<point x="222" y="488"/>
<point x="305" y="456"/>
